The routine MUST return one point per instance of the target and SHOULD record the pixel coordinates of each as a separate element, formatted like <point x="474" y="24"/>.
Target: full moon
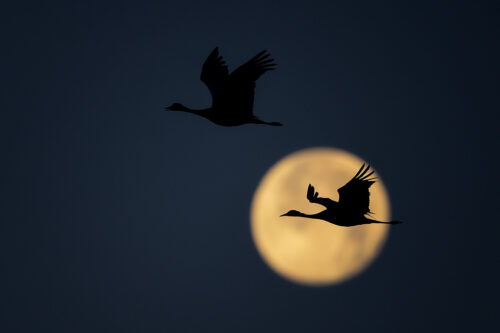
<point x="314" y="252"/>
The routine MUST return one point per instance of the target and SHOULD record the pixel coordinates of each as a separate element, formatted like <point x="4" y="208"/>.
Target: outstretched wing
<point x="242" y="80"/>
<point x="312" y="196"/>
<point x="355" y="195"/>
<point x="215" y="75"/>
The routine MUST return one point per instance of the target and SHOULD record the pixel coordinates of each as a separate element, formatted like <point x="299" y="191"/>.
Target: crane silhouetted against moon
<point x="232" y="94"/>
<point x="315" y="252"/>
<point x="353" y="204"/>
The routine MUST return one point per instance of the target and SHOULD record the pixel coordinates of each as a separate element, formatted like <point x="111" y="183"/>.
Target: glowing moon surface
<point x="314" y="252"/>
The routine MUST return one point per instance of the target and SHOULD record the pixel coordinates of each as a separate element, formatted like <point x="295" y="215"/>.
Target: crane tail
<point x="375" y="221"/>
<point x="273" y="123"/>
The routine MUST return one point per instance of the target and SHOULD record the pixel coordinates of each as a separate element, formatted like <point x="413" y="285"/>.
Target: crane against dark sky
<point x="353" y="204"/>
<point x="232" y="94"/>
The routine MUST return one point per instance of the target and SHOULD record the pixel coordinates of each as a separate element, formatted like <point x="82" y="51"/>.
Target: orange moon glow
<point x="314" y="252"/>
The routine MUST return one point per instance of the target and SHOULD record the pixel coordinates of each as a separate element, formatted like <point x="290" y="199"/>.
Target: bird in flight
<point x="353" y="204"/>
<point x="232" y="94"/>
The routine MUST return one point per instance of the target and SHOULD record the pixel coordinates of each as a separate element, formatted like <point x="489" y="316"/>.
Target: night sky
<point x="117" y="216"/>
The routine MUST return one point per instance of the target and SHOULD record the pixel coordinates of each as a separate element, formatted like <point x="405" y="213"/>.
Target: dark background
<point x="119" y="217"/>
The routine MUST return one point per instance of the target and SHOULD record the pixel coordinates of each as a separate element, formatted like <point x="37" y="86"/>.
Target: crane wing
<point x="215" y="75"/>
<point x="242" y="80"/>
<point x="312" y="196"/>
<point x="355" y="195"/>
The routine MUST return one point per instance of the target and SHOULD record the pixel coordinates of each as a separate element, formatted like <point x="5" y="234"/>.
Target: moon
<point x="314" y="252"/>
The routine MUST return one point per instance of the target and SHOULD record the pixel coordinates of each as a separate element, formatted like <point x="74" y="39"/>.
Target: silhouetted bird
<point x="232" y="94"/>
<point x="354" y="201"/>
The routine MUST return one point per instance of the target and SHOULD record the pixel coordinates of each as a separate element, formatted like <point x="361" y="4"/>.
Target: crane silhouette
<point x="353" y="204"/>
<point x="232" y="94"/>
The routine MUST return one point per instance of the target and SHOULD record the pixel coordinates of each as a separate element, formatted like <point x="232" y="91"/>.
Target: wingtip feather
<point x="365" y="177"/>
<point x="359" y="171"/>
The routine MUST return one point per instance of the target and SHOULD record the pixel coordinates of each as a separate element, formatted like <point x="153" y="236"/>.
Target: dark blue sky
<point x="119" y="217"/>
